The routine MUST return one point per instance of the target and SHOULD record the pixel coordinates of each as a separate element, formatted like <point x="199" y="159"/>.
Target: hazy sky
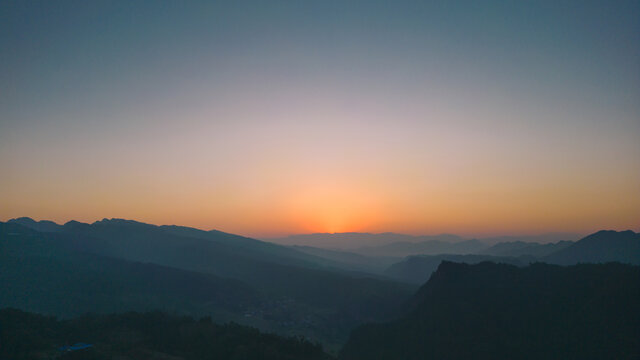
<point x="268" y="118"/>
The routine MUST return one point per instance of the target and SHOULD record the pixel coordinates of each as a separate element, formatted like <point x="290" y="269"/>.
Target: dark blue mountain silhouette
<point x="499" y="311"/>
<point x="603" y="246"/>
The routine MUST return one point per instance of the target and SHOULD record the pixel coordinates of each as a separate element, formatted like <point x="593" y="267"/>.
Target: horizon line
<point x="288" y="235"/>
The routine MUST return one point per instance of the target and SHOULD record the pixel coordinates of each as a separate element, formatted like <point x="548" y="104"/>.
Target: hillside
<point x="39" y="274"/>
<point x="151" y="336"/>
<point x="498" y="311"/>
<point x="295" y="296"/>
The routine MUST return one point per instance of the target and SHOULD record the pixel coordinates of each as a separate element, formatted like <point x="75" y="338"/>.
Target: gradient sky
<point x="276" y="117"/>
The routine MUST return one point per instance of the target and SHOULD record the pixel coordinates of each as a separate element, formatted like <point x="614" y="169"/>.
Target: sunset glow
<point x="297" y="120"/>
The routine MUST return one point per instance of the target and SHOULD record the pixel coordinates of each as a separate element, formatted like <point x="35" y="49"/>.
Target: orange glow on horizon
<point x="299" y="118"/>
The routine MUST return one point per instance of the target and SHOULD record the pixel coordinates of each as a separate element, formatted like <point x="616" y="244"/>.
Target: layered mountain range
<point x="116" y="265"/>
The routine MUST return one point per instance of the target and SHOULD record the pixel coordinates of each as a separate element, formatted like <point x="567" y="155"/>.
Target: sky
<point x="268" y="118"/>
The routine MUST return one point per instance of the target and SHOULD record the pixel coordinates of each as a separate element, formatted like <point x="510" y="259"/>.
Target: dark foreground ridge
<point x="499" y="311"/>
<point x="152" y="335"/>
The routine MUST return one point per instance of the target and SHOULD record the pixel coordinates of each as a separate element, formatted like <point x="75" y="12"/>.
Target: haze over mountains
<point x="164" y="244"/>
<point x="601" y="247"/>
<point x="116" y="265"/>
<point x="392" y="244"/>
<point x="355" y="240"/>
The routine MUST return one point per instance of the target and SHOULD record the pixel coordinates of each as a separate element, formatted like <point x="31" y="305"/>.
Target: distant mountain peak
<point x="22" y="219"/>
<point x="610" y="235"/>
<point x="42" y="225"/>
<point x="74" y="222"/>
<point x="75" y="225"/>
<point x="118" y="221"/>
<point x="609" y="232"/>
<point x="600" y="247"/>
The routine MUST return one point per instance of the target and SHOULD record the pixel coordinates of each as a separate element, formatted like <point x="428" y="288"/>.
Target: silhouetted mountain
<point x="38" y="272"/>
<point x="150" y="336"/>
<point x="430" y="247"/>
<point x="298" y="296"/>
<point x="263" y="265"/>
<point x="146" y="242"/>
<point x="351" y="241"/>
<point x="498" y="311"/>
<point x="519" y="248"/>
<point x="603" y="246"/>
<point x="417" y="269"/>
<point x="42" y="225"/>
<point x="282" y="254"/>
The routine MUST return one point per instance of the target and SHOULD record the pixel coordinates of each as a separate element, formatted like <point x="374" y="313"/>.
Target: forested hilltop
<point x="136" y="336"/>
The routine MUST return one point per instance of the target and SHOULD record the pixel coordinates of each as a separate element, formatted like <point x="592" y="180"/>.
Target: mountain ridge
<point x="312" y="298"/>
<point x="599" y="247"/>
<point x="500" y="311"/>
